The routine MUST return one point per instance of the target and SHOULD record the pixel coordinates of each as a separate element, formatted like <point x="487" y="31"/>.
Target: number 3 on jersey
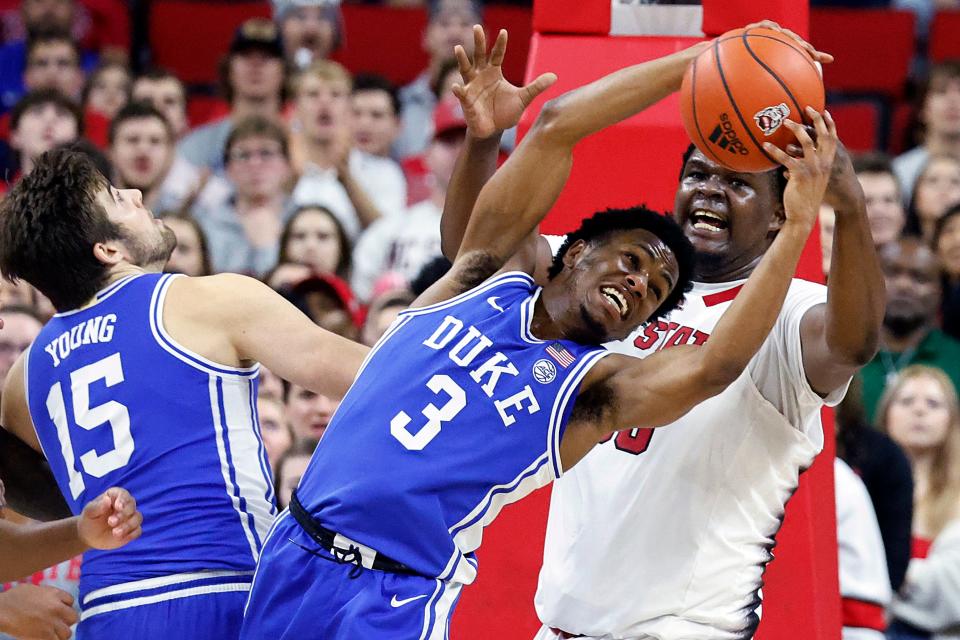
<point x="435" y="417"/>
<point x="110" y="370"/>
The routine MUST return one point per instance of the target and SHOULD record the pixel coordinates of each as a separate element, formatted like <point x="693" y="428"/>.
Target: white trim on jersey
<point x="161" y="597"/>
<point x="468" y="532"/>
<point x="233" y="491"/>
<point x="273" y="527"/>
<point x="176" y="349"/>
<point x="503" y="278"/>
<point x="526" y="317"/>
<point x="101" y="295"/>
<point x="161" y="581"/>
<point x="244" y="457"/>
<point x="436" y="613"/>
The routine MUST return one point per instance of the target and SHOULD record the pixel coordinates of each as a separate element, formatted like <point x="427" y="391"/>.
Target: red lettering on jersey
<point x="680" y="336"/>
<point x="634" y="441"/>
<point x="699" y="337"/>
<point x="649" y="337"/>
<point x="74" y="572"/>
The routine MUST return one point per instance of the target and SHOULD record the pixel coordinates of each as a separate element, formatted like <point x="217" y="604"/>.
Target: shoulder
<point x="215" y="296"/>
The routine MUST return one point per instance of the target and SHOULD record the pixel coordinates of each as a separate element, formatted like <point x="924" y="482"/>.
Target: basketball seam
<point x="806" y="56"/>
<point x="736" y="109"/>
<point x="696" y="122"/>
<point x="782" y="84"/>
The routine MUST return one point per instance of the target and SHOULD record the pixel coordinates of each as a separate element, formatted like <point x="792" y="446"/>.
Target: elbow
<point x="861" y="352"/>
<point x="553" y="123"/>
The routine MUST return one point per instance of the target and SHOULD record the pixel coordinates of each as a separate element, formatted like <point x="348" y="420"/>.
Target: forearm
<point x="620" y="95"/>
<point x="367" y="211"/>
<point x="746" y="324"/>
<point x="27" y="549"/>
<point x="474" y="167"/>
<point x="856" y="294"/>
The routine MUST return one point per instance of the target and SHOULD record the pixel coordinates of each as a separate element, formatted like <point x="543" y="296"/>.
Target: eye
<point x="738" y="184"/>
<point x="657" y="292"/>
<point x="696" y="175"/>
<point x="632" y="259"/>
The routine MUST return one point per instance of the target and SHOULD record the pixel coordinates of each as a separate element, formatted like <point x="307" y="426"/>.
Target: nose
<point x="136" y="195"/>
<point x="637" y="283"/>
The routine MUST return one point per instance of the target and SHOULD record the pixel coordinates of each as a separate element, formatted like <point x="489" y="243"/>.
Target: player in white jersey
<point x="666" y="536"/>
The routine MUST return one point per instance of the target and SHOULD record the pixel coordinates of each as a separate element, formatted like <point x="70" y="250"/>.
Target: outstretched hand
<point x="490" y="103"/>
<point x="808" y="174"/>
<point x="110" y="521"/>
<point x="819" y="56"/>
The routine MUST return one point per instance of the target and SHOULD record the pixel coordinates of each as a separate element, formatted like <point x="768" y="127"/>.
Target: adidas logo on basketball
<point x="726" y="138"/>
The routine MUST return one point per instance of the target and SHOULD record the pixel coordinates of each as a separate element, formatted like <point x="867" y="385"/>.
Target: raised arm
<point x="842" y="335"/>
<point x="523" y="190"/>
<point x="658" y="390"/>
<point x="233" y="319"/>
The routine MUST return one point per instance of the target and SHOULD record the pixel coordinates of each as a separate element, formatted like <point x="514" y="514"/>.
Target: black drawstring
<point x="340" y="556"/>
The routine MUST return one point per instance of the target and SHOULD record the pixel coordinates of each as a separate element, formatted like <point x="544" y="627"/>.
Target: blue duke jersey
<point x="457" y="412"/>
<point x="116" y="402"/>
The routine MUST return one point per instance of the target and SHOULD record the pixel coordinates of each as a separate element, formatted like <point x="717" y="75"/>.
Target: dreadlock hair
<point x="598" y="227"/>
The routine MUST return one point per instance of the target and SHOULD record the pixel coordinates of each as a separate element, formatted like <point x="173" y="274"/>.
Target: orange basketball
<point x="737" y="93"/>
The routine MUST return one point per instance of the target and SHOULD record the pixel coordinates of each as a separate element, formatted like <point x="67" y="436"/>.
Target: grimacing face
<point x="614" y="284"/>
<point x="728" y="216"/>
<point x="147" y="241"/>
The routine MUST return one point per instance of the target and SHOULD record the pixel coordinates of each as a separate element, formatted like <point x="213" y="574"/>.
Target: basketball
<point x="737" y="93"/>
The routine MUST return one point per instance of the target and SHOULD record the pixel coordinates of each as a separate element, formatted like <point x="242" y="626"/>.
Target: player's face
<point x="919" y="415"/>
<point x="617" y="283"/>
<point x="142" y="152"/>
<point x="147" y="241"/>
<point x="309" y="413"/>
<point x="375" y="125"/>
<point x="728" y="216"/>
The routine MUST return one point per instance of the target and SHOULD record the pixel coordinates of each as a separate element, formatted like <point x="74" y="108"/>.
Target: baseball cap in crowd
<point x="472" y="9"/>
<point x="448" y="117"/>
<point x="258" y="34"/>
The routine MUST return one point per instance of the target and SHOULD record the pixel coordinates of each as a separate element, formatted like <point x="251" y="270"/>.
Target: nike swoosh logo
<point x="492" y="301"/>
<point x="399" y="603"/>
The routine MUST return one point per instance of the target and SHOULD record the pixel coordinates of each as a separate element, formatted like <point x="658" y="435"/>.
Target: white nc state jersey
<point x="664" y="534"/>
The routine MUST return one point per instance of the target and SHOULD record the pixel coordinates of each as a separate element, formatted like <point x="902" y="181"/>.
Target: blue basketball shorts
<point x="207" y="616"/>
<point x="301" y="591"/>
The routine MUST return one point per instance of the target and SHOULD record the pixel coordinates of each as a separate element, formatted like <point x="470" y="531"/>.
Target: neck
<point x="319" y="151"/>
<point x="257" y="201"/>
<point x="922" y="464"/>
<point x="890" y="341"/>
<point x="549" y="305"/>
<point x="717" y="273"/>
<point x="246" y="106"/>
<point x="26" y="165"/>
<point x="944" y="144"/>
<point x="120" y="272"/>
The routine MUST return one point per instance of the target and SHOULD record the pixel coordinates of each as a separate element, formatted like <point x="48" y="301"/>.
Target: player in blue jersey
<point x="490" y="386"/>
<point x="147" y="381"/>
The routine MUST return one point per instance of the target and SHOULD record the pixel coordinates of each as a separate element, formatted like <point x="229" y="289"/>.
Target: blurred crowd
<point x="328" y="184"/>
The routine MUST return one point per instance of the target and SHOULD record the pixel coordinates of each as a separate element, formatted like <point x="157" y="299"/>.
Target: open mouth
<point x="617" y="299"/>
<point x="704" y="220"/>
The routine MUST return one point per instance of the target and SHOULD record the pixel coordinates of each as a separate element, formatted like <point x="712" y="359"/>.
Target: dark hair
<point x="49" y="224"/>
<point x="430" y="273"/>
<point x="912" y="225"/>
<point x="41" y="97"/>
<point x="138" y="111"/>
<point x="255" y="127"/>
<point x="779" y="174"/>
<point x="184" y="216"/>
<point x="602" y="224"/>
<point x="103" y="66"/>
<point x="343" y="265"/>
<point x="942" y="224"/>
<point x="946" y="69"/>
<point x="226" y="85"/>
<point x="48" y="36"/>
<point x="374" y="82"/>
<point x="92" y="151"/>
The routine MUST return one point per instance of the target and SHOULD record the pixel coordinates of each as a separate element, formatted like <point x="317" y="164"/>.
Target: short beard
<point x="591" y="331"/>
<point x="151" y="257"/>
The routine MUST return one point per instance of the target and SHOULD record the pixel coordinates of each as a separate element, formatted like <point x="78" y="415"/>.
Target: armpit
<point x="474" y="268"/>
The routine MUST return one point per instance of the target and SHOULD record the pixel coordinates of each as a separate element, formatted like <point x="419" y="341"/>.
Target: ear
<point x="777" y="220"/>
<point x="574" y="253"/>
<point x="110" y="253"/>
